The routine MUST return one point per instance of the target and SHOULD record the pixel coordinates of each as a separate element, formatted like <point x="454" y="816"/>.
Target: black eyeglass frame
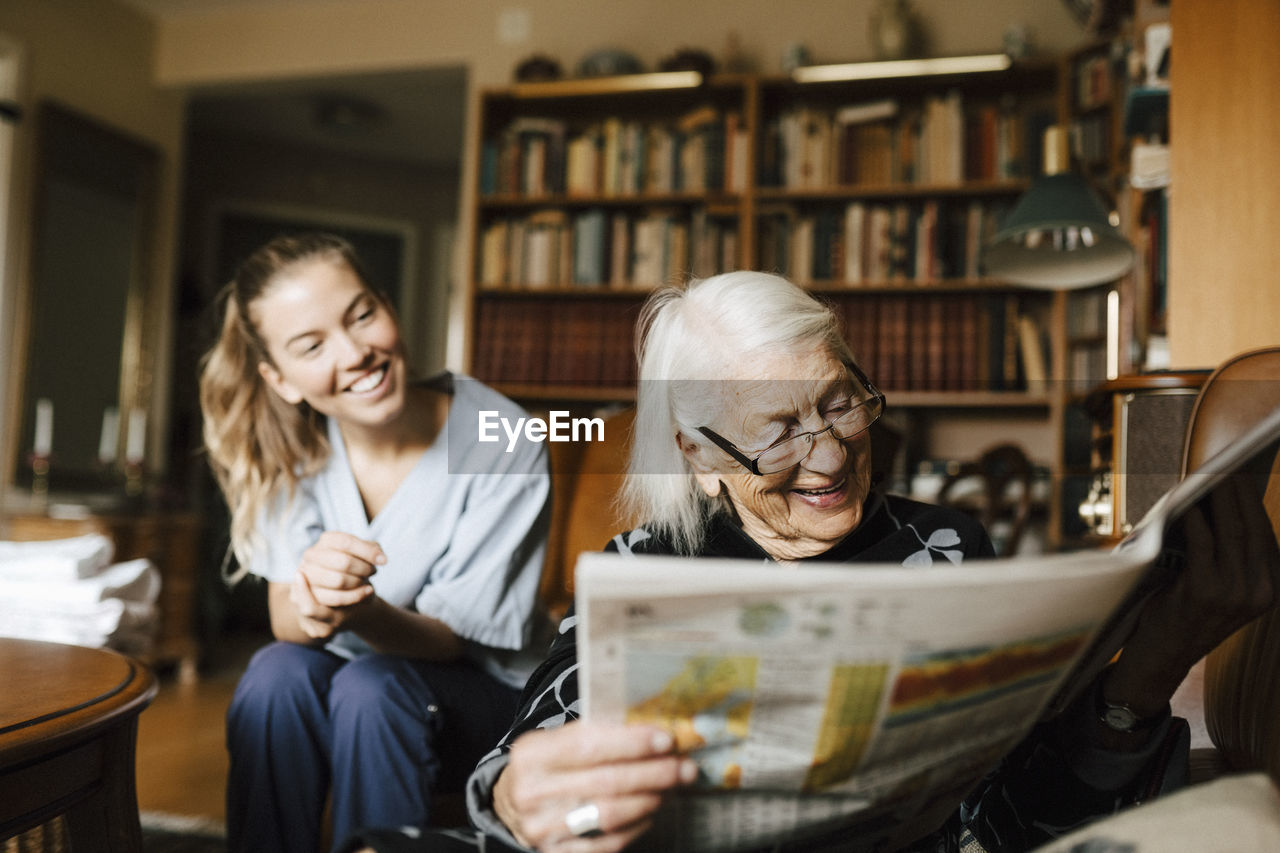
<point x="753" y="465"/>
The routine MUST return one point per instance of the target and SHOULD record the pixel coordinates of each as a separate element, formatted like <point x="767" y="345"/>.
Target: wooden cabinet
<point x="171" y="540"/>
<point x="875" y="194"/>
<point x="1225" y="208"/>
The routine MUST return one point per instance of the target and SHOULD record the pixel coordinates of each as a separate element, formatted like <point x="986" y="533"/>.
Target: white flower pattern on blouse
<point x="626" y="542"/>
<point x="938" y="541"/>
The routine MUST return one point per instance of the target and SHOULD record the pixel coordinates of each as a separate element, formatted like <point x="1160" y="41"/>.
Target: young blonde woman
<point x="401" y="556"/>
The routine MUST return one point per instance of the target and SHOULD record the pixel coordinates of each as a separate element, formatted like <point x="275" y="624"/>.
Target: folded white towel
<point x="135" y="580"/>
<point x="56" y="559"/>
<point x="124" y="625"/>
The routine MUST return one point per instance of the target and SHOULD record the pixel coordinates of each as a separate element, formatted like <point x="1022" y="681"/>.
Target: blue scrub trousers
<point x="384" y="732"/>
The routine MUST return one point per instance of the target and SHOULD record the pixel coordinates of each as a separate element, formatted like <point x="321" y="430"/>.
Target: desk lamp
<point x="1058" y="235"/>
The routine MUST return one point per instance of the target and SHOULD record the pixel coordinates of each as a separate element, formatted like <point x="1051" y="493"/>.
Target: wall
<point x="234" y="172"/>
<point x="95" y="57"/>
<point x="268" y="40"/>
<point x="1224" y="210"/>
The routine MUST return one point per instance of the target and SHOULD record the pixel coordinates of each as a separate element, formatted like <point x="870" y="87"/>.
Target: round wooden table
<point x="68" y="732"/>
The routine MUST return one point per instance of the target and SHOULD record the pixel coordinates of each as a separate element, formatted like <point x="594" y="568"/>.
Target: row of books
<point x="1091" y="138"/>
<point x="703" y="150"/>
<point x="1087" y="313"/>
<point x="1087" y="366"/>
<point x="595" y="248"/>
<point x="905" y="342"/>
<point x="868" y="243"/>
<point x="581" y="342"/>
<point x="1087" y="341"/>
<point x="941" y="140"/>
<point x="945" y="342"/>
<point x="1152" y="241"/>
<point x="1093" y="81"/>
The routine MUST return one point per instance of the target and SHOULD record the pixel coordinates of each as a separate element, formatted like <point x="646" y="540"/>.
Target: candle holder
<point x="39" y="478"/>
<point x="133" y="479"/>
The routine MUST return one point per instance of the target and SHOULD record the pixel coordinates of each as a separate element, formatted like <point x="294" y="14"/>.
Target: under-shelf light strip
<point x="989" y="62"/>
<point x="655" y="81"/>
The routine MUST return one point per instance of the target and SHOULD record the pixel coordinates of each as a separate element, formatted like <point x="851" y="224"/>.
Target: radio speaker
<point x="1149" y="431"/>
<point x="1139" y="423"/>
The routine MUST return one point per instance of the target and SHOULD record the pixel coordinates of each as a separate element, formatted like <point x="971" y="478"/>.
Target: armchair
<point x="1241" y="688"/>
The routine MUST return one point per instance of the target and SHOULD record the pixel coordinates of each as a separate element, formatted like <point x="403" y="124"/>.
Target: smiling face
<point x="806" y="509"/>
<point x="332" y="343"/>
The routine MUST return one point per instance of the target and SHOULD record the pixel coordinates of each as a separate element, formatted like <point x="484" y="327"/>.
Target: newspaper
<point x="867" y="698"/>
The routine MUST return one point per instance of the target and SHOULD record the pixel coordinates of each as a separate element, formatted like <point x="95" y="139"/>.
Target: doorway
<point x="373" y="157"/>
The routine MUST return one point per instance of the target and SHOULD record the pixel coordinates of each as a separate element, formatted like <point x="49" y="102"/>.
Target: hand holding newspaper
<point x="871" y="697"/>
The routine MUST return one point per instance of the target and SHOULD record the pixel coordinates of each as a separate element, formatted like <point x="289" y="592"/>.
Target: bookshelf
<point x="589" y="195"/>
<point x="873" y="194"/>
<point x="1113" y="330"/>
<point x="1118" y="124"/>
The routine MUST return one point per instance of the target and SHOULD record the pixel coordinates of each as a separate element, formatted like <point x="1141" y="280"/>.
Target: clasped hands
<point x="332" y="583"/>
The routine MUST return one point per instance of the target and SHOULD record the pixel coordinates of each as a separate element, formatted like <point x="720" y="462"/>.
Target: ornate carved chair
<point x="1004" y="504"/>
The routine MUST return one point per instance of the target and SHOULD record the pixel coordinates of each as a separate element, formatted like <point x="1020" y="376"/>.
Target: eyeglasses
<point x="792" y="450"/>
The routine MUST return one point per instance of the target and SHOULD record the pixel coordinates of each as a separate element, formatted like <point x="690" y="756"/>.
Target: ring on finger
<point x="584" y="821"/>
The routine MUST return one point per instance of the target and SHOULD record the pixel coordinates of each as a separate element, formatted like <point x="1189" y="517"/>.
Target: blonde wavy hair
<point x="259" y="445"/>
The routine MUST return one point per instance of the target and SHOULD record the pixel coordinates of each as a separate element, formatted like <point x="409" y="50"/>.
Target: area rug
<point x="166" y="833"/>
<point x="161" y="833"/>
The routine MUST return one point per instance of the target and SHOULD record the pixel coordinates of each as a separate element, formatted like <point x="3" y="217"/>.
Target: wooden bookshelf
<point x="1108" y="327"/>
<point x="591" y="194"/>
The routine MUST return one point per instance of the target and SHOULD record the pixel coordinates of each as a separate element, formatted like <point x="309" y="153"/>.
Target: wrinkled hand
<point x="332" y="582"/>
<point x="623" y="770"/>
<point x="1231" y="576"/>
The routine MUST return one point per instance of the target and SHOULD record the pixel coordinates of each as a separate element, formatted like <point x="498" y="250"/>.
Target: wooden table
<point x="68" y="732"/>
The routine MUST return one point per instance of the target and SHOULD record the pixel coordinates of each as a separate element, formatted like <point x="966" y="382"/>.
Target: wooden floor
<point x="182" y="757"/>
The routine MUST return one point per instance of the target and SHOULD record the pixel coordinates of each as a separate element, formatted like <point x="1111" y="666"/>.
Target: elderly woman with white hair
<point x="751" y="440"/>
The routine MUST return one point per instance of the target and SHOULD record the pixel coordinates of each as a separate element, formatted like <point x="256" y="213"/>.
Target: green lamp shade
<point x="1057" y="236"/>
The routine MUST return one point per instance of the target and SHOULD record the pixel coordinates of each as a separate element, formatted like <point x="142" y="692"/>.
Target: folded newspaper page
<point x="814" y="696"/>
<point x="869" y="697"/>
<point x="1255" y="455"/>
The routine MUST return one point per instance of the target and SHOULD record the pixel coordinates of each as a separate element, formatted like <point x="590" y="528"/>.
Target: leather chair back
<point x="586" y="478"/>
<point x="1242" y="675"/>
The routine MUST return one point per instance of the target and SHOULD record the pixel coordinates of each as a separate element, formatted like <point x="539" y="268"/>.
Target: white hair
<point x="700" y="332"/>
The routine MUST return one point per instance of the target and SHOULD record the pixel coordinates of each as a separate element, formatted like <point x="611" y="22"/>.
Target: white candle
<point x="44" y="427"/>
<point x="110" y="435"/>
<point x="135" y="447"/>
